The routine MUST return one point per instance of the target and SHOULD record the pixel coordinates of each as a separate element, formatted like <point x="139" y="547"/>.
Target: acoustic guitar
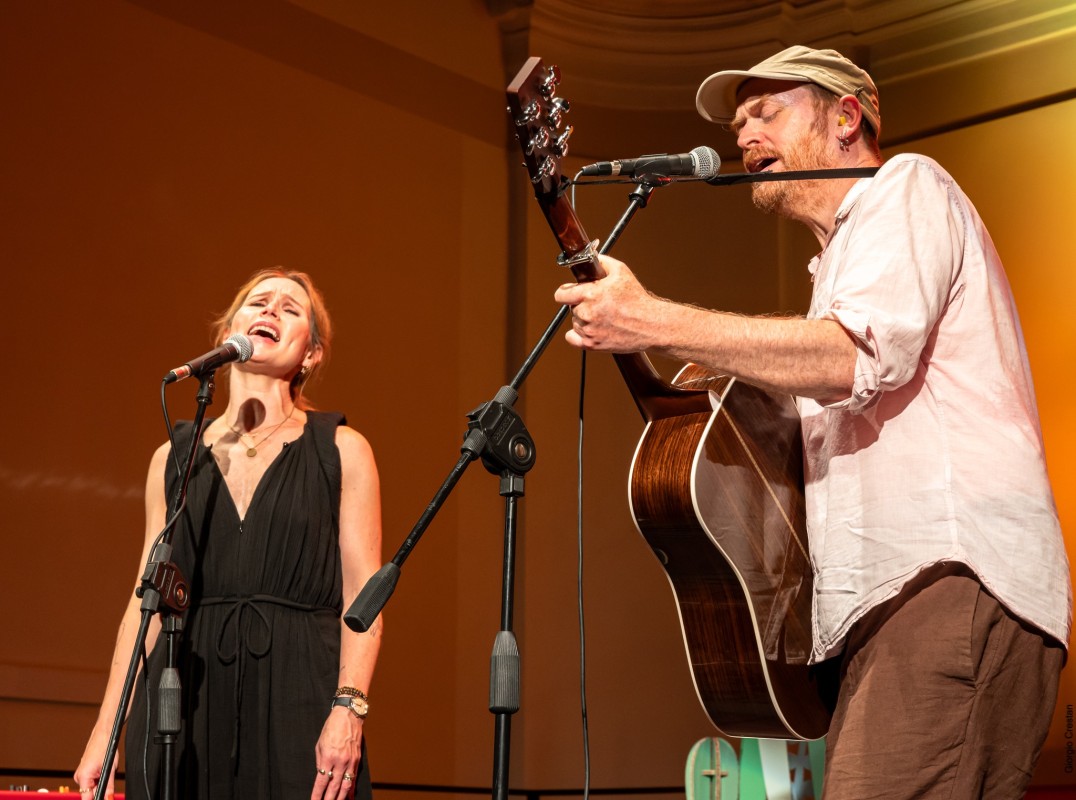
<point x="716" y="489"/>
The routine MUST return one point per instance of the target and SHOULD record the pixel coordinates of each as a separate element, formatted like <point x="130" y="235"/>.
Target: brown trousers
<point x="943" y="694"/>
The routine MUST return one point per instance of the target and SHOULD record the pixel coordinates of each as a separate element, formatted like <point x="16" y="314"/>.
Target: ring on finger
<point x="321" y="771"/>
<point x="348" y="776"/>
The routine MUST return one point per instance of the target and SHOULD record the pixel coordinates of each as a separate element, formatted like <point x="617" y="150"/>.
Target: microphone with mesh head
<point x="236" y="347"/>
<point x="702" y="162"/>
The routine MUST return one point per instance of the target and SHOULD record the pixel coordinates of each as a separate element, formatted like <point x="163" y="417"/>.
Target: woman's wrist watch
<point x="359" y="706"/>
<point x="354" y="700"/>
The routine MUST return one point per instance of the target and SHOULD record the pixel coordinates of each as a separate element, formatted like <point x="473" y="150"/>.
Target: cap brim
<point x="716" y="98"/>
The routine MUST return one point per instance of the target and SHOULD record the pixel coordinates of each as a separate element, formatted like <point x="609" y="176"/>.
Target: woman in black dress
<point x="282" y="523"/>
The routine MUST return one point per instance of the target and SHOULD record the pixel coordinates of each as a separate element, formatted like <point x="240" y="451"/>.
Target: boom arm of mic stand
<point x="375" y="594"/>
<point x="495" y="431"/>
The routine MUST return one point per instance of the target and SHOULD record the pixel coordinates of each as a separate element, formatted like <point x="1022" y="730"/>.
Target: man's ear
<point x="849" y="114"/>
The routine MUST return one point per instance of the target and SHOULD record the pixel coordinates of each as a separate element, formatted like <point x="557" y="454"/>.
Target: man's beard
<point x="793" y="198"/>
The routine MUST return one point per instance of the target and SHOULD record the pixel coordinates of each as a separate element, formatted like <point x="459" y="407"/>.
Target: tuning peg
<point x="539" y="141"/>
<point x="546" y="168"/>
<point x="549" y="84"/>
<point x="558" y="107"/>
<point x="560" y="145"/>
<point x="530" y="114"/>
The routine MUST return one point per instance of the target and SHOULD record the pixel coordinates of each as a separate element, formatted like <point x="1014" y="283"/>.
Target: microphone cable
<point x="579" y="559"/>
<point x="170" y="522"/>
<point x="579" y="581"/>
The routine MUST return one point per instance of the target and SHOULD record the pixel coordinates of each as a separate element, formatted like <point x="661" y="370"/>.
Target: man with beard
<point x="941" y="580"/>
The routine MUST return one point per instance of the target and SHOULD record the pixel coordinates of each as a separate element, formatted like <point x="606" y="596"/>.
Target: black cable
<point x="168" y="525"/>
<point x="149" y="723"/>
<point x="582" y="622"/>
<point x="732" y="179"/>
<point x="168" y="427"/>
<point x="579" y="576"/>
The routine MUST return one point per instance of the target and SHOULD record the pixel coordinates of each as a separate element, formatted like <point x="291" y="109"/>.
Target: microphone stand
<point x="163" y="590"/>
<point x="497" y="435"/>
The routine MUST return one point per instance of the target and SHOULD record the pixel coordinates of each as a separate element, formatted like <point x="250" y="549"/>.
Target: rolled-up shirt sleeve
<point x="865" y="380"/>
<point x="887" y="284"/>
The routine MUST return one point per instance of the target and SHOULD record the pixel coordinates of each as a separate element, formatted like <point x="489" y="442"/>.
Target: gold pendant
<point x="251" y="452"/>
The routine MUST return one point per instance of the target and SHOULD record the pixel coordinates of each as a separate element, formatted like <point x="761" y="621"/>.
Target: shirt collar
<point x="845" y="208"/>
<point x="850" y="200"/>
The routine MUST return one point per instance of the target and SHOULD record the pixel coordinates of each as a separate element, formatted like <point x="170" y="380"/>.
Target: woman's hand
<point x="89" y="769"/>
<point x="337" y="755"/>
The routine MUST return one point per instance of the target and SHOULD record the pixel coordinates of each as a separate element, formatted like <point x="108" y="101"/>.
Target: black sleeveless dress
<point x="259" y="653"/>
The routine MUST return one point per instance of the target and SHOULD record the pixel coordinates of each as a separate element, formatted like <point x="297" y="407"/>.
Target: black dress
<point x="260" y="650"/>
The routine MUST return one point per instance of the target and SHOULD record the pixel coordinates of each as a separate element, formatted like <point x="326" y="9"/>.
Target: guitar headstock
<point x="537" y="114"/>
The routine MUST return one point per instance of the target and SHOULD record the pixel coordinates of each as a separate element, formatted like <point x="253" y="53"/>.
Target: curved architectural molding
<point x="637" y="54"/>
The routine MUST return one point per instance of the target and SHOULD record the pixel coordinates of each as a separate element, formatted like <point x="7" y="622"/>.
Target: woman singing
<point x="282" y="524"/>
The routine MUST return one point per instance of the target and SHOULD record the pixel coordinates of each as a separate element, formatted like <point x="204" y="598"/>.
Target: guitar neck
<point x="537" y="114"/>
<point x="655" y="397"/>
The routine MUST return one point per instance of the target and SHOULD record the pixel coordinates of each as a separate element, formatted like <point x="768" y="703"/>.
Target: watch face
<point x="361" y="706"/>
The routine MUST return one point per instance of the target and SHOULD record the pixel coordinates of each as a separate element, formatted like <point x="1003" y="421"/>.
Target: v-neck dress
<point x="259" y="656"/>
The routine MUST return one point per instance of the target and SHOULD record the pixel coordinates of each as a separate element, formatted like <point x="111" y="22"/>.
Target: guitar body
<point x="716" y="488"/>
<point x="718" y="496"/>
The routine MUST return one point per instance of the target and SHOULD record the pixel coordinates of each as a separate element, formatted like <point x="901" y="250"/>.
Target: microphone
<point x="236" y="347"/>
<point x="702" y="162"/>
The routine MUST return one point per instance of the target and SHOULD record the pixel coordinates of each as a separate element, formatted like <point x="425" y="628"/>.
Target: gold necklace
<point x="252" y="449"/>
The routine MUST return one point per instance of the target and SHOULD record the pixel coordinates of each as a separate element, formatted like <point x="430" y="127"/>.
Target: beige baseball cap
<point x="716" y="99"/>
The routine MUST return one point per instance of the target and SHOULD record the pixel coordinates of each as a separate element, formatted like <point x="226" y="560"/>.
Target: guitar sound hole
<point x="664" y="559"/>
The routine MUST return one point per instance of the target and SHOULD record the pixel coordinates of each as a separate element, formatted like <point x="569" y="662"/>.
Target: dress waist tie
<point x="246" y="641"/>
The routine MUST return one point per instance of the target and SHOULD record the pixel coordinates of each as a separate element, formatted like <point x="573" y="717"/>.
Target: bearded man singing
<point x="941" y="584"/>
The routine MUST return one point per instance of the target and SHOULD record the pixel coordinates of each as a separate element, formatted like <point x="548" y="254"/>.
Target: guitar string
<point x="769" y="488"/>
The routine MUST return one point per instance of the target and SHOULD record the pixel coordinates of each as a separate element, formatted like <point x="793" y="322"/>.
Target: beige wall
<point x="151" y="162"/>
